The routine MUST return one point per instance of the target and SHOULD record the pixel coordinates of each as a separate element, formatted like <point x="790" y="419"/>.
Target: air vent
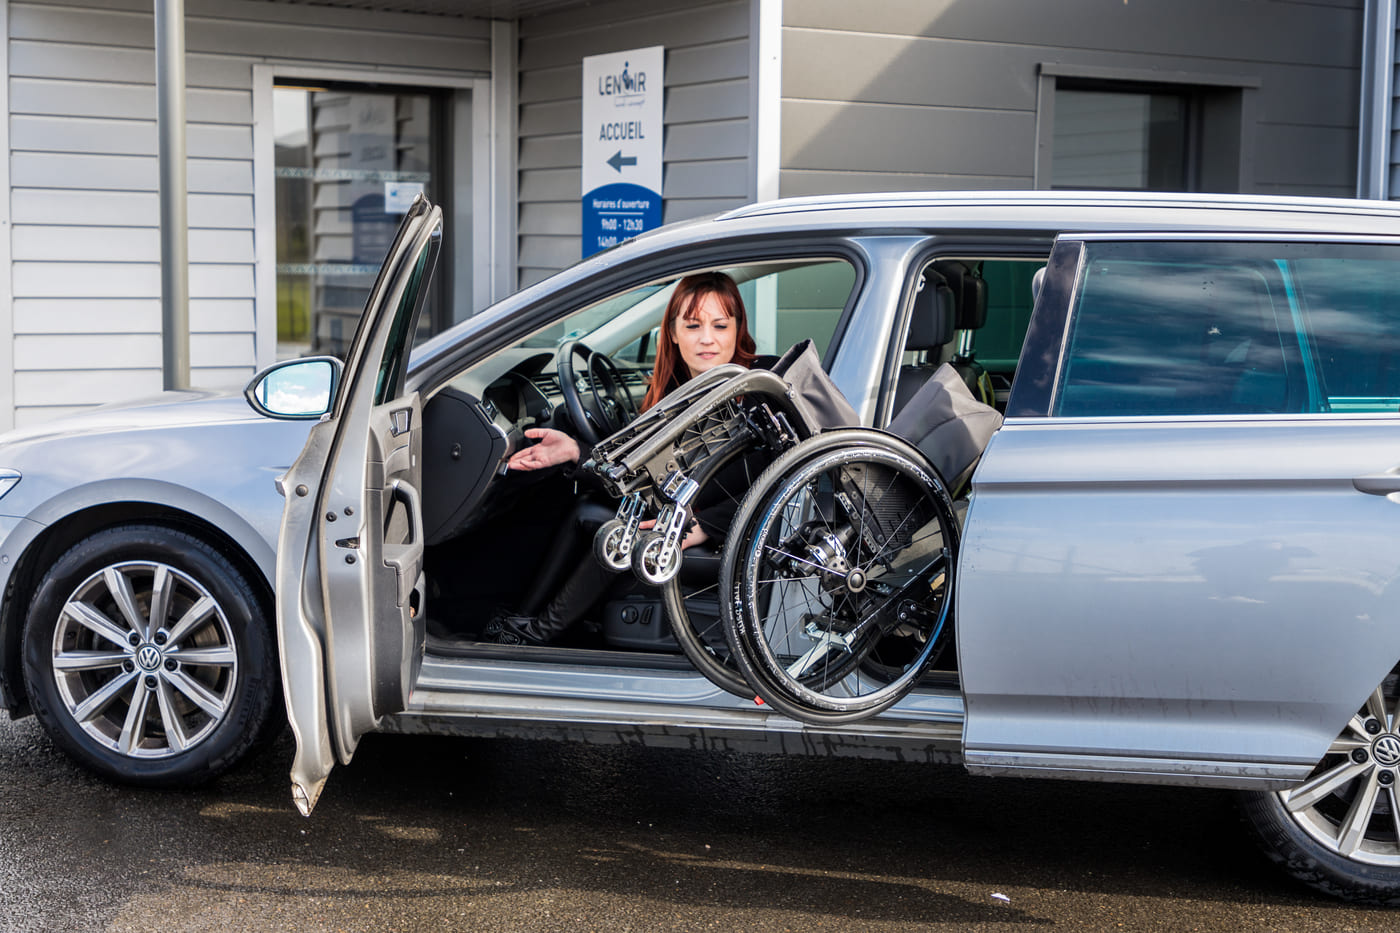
<point x="634" y="380"/>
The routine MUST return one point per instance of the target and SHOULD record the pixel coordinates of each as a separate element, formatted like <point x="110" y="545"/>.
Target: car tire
<point x="173" y="700"/>
<point x="1339" y="831"/>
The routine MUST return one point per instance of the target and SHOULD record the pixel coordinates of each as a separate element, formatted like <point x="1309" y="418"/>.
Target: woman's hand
<point x="693" y="535"/>
<point x="554" y="448"/>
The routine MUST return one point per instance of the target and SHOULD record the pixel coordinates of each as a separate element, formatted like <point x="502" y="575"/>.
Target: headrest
<point x="931" y="322"/>
<point x="1036" y="281"/>
<point x="969" y="288"/>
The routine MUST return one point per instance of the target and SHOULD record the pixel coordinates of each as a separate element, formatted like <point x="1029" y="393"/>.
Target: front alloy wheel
<point x="144" y="659"/>
<point x="1339" y="830"/>
<point x="147" y="657"/>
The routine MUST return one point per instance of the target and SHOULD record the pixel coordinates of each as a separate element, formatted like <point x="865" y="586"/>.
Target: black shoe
<point x="512" y="630"/>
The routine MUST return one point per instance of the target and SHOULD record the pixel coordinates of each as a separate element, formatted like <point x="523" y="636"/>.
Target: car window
<point x="797" y="302"/>
<point x="997" y="343"/>
<point x="595" y="316"/>
<point x="1232" y="328"/>
<point x="786" y="303"/>
<point x="786" y="300"/>
<point x="990" y="300"/>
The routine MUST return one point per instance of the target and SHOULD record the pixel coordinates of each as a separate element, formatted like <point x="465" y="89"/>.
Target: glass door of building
<point x="349" y="160"/>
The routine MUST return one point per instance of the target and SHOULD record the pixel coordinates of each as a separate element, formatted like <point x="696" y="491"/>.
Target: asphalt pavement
<point x="435" y="834"/>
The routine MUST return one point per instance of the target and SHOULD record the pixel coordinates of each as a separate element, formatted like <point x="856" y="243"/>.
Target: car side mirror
<point x="295" y="389"/>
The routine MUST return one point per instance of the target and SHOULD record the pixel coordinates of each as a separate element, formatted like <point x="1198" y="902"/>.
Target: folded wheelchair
<point x="831" y="595"/>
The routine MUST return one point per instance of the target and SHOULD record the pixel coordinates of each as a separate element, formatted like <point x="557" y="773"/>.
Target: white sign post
<point x="622" y="134"/>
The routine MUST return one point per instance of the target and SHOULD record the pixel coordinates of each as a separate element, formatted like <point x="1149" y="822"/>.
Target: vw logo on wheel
<point x="1387" y="750"/>
<point x="149" y="658"/>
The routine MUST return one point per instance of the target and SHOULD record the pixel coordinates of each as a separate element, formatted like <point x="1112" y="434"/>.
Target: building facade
<point x="307" y="122"/>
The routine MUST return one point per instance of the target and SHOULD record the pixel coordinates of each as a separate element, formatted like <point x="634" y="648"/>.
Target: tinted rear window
<point x="1233" y="328"/>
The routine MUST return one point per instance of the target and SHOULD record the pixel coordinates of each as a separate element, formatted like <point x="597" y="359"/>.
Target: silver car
<point x="1175" y="562"/>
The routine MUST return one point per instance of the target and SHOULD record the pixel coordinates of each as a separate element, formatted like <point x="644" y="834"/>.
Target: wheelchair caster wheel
<point x="646" y="559"/>
<point x="607" y="546"/>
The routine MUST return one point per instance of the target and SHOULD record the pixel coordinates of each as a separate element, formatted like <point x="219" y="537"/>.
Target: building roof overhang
<point x="460" y="9"/>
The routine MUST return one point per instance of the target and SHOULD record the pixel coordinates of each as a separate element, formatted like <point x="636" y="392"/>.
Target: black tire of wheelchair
<point x="768" y="680"/>
<point x="724" y="675"/>
<point x="250" y="721"/>
<point x="733" y="592"/>
<point x="775" y="676"/>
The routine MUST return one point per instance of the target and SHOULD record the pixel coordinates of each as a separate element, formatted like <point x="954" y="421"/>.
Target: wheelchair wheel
<point x="838" y="582"/>
<point x="692" y="598"/>
<point x="647" y="563"/>
<point x="606" y="546"/>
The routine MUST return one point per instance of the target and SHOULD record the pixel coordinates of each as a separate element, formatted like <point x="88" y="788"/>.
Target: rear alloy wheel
<point x="147" y="657"/>
<point x="1339" y="830"/>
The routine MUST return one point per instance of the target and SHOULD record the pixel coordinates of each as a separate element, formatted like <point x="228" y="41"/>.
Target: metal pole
<point x="174" y="213"/>
<point x="1377" y="86"/>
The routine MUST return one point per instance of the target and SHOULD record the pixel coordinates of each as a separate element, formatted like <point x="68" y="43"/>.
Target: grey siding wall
<point x="1391" y="124"/>
<point x="905" y="94"/>
<point x="83" y="177"/>
<point x="706" y="148"/>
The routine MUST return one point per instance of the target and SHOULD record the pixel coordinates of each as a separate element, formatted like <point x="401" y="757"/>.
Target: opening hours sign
<point x="622" y="135"/>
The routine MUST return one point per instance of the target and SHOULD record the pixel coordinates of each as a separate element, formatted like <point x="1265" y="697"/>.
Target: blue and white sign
<point x="622" y="130"/>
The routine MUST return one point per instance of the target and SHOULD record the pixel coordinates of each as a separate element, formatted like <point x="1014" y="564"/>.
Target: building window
<point x="349" y="159"/>
<point x="1136" y="130"/>
<point x="1126" y="140"/>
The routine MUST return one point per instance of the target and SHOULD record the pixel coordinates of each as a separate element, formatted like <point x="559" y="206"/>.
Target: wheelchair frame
<point x="658" y="463"/>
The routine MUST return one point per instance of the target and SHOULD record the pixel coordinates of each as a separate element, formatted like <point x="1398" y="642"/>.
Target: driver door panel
<point x="351" y="551"/>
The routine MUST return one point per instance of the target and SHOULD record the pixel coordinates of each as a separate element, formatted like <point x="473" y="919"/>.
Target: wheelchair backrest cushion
<point x="948" y="425"/>
<point x="822" y="405"/>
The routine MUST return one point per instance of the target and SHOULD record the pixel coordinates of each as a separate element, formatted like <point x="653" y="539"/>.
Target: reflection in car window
<point x="1233" y="328"/>
<point x="1354" y="322"/>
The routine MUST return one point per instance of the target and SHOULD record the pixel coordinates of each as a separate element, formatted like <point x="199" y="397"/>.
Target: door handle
<point x="1379" y="484"/>
<point x="403" y="489"/>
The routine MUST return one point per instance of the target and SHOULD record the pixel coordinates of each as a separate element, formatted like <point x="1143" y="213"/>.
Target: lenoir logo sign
<point x="622" y="130"/>
<point x="623" y="83"/>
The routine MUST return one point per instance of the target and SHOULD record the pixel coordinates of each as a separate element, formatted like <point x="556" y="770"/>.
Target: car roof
<point x="1050" y="212"/>
<point x="1082" y="208"/>
<point x="975" y="213"/>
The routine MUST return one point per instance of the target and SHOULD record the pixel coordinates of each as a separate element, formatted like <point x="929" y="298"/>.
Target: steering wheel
<point x="612" y="404"/>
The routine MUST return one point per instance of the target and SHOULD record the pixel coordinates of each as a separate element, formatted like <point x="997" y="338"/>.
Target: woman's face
<point x="706" y="339"/>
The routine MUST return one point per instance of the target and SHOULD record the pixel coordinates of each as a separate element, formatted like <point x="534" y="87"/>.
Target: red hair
<point x="670" y="371"/>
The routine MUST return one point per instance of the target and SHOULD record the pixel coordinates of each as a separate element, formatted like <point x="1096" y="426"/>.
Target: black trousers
<point x="571" y="579"/>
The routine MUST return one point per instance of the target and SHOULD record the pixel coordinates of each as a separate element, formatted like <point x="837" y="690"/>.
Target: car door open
<point x="350" y="554"/>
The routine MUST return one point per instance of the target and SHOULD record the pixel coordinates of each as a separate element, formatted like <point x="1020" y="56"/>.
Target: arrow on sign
<point x="619" y="160"/>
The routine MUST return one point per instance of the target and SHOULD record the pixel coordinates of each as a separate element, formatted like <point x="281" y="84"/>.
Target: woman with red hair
<point x="705" y="325"/>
